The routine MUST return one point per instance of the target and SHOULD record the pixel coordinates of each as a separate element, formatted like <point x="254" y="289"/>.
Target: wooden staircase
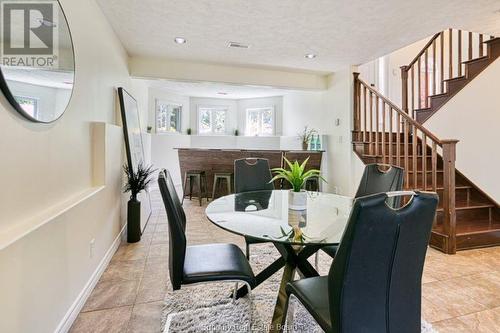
<point x="383" y="133"/>
<point x="447" y="63"/>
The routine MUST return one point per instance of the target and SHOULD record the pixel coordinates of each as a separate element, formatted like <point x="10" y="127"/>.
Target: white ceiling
<point x="213" y="90"/>
<point x="281" y="32"/>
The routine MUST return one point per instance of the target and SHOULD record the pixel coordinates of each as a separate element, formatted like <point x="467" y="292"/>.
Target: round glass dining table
<point x="297" y="234"/>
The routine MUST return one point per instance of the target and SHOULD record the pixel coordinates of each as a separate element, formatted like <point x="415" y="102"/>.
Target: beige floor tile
<point x="450" y="301"/>
<point x="124" y="270"/>
<point x="483" y="322"/>
<point x="104" y="321"/>
<point x="453" y="325"/>
<point x="134" y="251"/>
<point x="160" y="237"/>
<point x="146" y="318"/>
<point x="153" y="289"/>
<point x="110" y="294"/>
<point x="158" y="250"/>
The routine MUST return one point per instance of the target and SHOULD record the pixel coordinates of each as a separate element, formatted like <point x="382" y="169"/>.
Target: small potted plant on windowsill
<point x="136" y="183"/>
<point x="306" y="136"/>
<point x="297" y="177"/>
<point x="188" y="131"/>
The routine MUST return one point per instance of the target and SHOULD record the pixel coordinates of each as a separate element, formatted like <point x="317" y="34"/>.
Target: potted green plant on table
<point x="136" y="183"/>
<point x="306" y="136"/>
<point x="297" y="176"/>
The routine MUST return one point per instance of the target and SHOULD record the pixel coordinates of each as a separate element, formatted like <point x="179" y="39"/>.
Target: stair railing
<point x="441" y="59"/>
<point x="392" y="136"/>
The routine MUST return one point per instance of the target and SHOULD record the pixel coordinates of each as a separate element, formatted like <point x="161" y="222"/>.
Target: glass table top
<point x="265" y="215"/>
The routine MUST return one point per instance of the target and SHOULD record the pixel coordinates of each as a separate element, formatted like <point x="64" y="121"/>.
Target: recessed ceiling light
<point x="221" y="93"/>
<point x="180" y="40"/>
<point x="310" y="56"/>
<point x="238" y="45"/>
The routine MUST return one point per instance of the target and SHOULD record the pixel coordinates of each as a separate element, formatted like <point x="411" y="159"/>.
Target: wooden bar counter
<point x="222" y="160"/>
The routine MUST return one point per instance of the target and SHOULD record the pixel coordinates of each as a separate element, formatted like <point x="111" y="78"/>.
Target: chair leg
<point x="316" y="260"/>
<point x="235" y="291"/>
<point x="214" y="188"/>
<point x="247" y="250"/>
<point x="200" y="190"/>
<point x="228" y="185"/>
<point x="184" y="188"/>
<point x="190" y="188"/>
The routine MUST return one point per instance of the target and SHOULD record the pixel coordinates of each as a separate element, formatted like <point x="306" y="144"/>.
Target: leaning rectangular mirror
<point x="37" y="67"/>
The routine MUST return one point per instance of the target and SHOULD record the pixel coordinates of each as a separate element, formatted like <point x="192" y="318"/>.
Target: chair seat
<point x="331" y="250"/>
<point x="216" y="262"/>
<point x="313" y="294"/>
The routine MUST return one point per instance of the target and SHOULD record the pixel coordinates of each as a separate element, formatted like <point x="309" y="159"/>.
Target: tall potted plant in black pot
<point x="136" y="183"/>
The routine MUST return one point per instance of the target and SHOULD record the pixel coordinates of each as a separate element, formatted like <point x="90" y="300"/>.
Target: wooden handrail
<point x="429" y="43"/>
<point x="403" y="114"/>
<point x="416" y="150"/>
<point x="425" y="76"/>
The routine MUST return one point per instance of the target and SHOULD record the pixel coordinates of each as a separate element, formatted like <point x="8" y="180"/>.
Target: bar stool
<point x="219" y="176"/>
<point x="312" y="184"/>
<point x="199" y="178"/>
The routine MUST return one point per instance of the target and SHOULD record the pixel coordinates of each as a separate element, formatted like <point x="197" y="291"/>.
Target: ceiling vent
<point x="238" y="45"/>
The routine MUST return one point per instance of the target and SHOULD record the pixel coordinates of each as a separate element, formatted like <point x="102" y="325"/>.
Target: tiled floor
<point x="461" y="293"/>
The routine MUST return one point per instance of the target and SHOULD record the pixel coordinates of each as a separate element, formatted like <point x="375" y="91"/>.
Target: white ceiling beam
<point x="160" y="68"/>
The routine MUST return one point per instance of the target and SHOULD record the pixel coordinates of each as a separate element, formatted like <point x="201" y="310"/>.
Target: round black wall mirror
<point x="37" y="65"/>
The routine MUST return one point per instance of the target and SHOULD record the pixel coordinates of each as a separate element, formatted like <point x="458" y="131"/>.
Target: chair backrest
<point x="375" y="279"/>
<point x="176" y="228"/>
<point x="379" y="178"/>
<point x="252" y="174"/>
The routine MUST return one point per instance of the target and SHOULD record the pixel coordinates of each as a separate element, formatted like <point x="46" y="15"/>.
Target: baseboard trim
<point x="78" y="304"/>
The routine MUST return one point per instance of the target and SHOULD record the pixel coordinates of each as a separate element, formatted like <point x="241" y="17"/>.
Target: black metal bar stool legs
<point x="218" y="177"/>
<point x="199" y="179"/>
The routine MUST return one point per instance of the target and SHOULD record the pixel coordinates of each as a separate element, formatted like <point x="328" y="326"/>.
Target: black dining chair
<point x="374" y="283"/>
<point x="252" y="174"/>
<point x="200" y="263"/>
<point x="377" y="178"/>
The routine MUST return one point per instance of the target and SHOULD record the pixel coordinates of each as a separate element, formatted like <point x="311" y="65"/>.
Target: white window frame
<point x="224" y="108"/>
<point x="36" y="103"/>
<point x="159" y="101"/>
<point x="260" y="110"/>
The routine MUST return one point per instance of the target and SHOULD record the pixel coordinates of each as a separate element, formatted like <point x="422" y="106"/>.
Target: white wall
<point x="50" y="181"/>
<point x="303" y="108"/>
<point x="344" y="167"/>
<point x="49" y="99"/>
<point x="473" y="117"/>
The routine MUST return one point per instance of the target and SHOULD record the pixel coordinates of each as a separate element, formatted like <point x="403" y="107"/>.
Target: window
<point x="168" y="117"/>
<point x="212" y="120"/>
<point x="28" y="104"/>
<point x="260" y="121"/>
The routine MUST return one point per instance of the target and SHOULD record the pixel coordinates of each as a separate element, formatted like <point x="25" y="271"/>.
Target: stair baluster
<point x="425" y="77"/>
<point x="413" y="142"/>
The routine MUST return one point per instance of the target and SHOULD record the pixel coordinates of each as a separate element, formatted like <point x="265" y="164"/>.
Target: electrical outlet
<point x="91" y="248"/>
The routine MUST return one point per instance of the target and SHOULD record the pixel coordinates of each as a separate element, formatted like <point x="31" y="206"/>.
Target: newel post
<point x="404" y="88"/>
<point x="449" y="208"/>
<point x="356" y="101"/>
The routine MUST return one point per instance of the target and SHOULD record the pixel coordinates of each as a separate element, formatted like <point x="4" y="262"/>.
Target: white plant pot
<point x="297" y="200"/>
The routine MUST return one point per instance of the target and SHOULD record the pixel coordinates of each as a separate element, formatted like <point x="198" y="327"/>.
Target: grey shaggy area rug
<point x="208" y="308"/>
